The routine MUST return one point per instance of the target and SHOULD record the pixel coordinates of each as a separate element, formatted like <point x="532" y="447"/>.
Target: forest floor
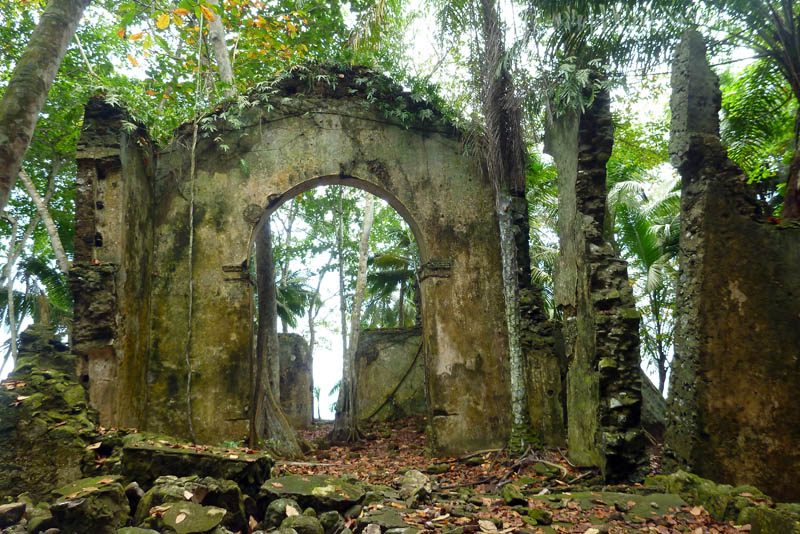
<point x="475" y="493"/>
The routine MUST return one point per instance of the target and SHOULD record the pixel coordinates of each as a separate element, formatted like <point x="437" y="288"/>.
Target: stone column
<point x="600" y="322"/>
<point x="111" y="275"/>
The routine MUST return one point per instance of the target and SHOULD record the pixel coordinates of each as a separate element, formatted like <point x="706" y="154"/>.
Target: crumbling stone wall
<point x="733" y="410"/>
<point x="390" y="373"/>
<point x="197" y="233"/>
<point x="297" y="381"/>
<point x="111" y="274"/>
<point x="45" y="421"/>
<point x="600" y="322"/>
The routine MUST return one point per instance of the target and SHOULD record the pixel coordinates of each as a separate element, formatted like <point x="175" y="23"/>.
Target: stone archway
<point x="145" y="221"/>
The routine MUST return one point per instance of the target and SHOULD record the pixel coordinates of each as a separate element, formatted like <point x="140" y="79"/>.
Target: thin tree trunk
<point x="345" y="428"/>
<point x="506" y="166"/>
<point x="47" y="219"/>
<point x="267" y="340"/>
<point x="340" y="255"/>
<point x="285" y="263"/>
<point x="216" y="37"/>
<point x="30" y="82"/>
<point x="14" y="251"/>
<point x="9" y="271"/>
<point x="268" y="420"/>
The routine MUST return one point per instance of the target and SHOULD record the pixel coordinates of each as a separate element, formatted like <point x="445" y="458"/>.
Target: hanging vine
<point x="192" y="170"/>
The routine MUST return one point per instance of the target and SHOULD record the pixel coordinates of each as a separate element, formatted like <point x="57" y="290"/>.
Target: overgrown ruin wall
<point x="600" y="321"/>
<point x="111" y="273"/>
<point x="733" y="410"/>
<point x="188" y="242"/>
<point x="390" y="373"/>
<point x="297" y="381"/>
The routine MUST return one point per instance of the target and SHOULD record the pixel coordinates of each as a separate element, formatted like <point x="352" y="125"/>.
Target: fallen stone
<point x="136" y="530"/>
<point x="317" y="491"/>
<point x="383" y="518"/>
<point x="764" y="520"/>
<point x="330" y="520"/>
<point x="146" y="457"/>
<point x="278" y="510"/>
<point x="11" y="514"/>
<point x="303" y="524"/>
<point x="205" y="491"/>
<point x="415" y="486"/>
<point x="723" y="502"/>
<point x="372" y="529"/>
<point x="96" y="505"/>
<point x="512" y="495"/>
<point x="192" y="518"/>
<point x="542" y="517"/>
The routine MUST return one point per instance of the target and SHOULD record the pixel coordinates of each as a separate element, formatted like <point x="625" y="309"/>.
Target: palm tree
<point x="646" y="210"/>
<point x="394" y="274"/>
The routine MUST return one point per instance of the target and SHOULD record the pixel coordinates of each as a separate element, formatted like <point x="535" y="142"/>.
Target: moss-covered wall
<point x="732" y="412"/>
<point x="390" y="374"/>
<point x="298" y="134"/>
<point x="297" y="381"/>
<point x="110" y="278"/>
<point x="600" y="322"/>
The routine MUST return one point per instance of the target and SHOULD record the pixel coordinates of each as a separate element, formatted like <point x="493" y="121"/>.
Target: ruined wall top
<point x="696" y="98"/>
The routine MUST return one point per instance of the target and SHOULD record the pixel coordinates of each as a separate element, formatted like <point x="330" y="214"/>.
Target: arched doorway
<point x="194" y="233"/>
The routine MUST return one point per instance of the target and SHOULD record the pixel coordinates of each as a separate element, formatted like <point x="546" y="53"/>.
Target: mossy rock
<point x="765" y="520"/>
<point x="385" y="519"/>
<point x="146" y="457"/>
<point x="205" y="491"/>
<point x="643" y="505"/>
<point x="91" y="506"/>
<point x="317" y="491"/>
<point x="192" y="518"/>
<point x="303" y="524"/>
<point x="512" y="495"/>
<point x="136" y="530"/>
<point x="276" y="512"/>
<point x="43" y="418"/>
<point x="723" y="502"/>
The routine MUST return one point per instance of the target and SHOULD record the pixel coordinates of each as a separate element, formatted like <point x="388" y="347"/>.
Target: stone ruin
<point x="733" y="408"/>
<point x="162" y="289"/>
<point x="161" y="274"/>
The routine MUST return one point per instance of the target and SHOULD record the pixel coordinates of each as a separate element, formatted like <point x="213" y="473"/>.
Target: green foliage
<point x="757" y="125"/>
<point x="643" y="219"/>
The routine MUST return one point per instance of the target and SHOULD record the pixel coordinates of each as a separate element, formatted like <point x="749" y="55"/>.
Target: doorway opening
<point x="305" y="268"/>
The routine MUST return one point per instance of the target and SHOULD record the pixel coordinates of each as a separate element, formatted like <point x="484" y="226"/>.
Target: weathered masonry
<point x="733" y="409"/>
<point x="600" y="325"/>
<point x="163" y="295"/>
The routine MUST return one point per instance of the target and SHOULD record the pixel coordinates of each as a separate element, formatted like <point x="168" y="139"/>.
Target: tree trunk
<point x="14" y="251"/>
<point x="216" y="38"/>
<point x="47" y="219"/>
<point x="342" y="295"/>
<point x="506" y="166"/>
<point x="345" y="427"/>
<point x="268" y="421"/>
<point x="267" y="339"/>
<point x="30" y="82"/>
<point x="285" y="264"/>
